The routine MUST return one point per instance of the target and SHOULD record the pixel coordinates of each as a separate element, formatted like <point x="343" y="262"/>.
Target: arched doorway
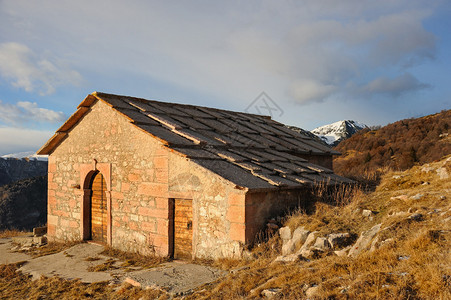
<point x="98" y="209"/>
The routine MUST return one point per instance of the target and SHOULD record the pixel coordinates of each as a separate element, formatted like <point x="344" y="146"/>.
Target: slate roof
<point x="249" y="150"/>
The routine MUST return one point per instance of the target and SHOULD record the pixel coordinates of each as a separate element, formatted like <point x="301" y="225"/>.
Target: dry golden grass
<point x="415" y="265"/>
<point x="7" y="233"/>
<point x="15" y="285"/>
<point x="48" y="249"/>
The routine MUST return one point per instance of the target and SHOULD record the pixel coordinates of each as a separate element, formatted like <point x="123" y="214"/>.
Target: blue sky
<point x="316" y="61"/>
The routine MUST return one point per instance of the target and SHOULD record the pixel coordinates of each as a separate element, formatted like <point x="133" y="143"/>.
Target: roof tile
<point x="166" y="135"/>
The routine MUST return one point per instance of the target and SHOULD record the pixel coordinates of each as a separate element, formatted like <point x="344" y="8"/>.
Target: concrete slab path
<point x="71" y="264"/>
<point x="9" y="257"/>
<point x="175" y="277"/>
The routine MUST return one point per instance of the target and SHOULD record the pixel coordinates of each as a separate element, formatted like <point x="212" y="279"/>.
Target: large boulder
<point x="321" y="243"/>
<point x="311" y="238"/>
<point x="299" y="236"/>
<point x="364" y="241"/>
<point x="285" y="233"/>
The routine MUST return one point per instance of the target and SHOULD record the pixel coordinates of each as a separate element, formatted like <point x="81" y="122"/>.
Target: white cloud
<point x="27" y="112"/>
<point x="308" y="50"/>
<point x="16" y="140"/>
<point x="394" y="86"/>
<point x="308" y="90"/>
<point x="24" y="69"/>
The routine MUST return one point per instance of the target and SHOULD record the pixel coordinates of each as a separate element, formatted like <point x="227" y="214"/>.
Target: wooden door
<point x="183" y="228"/>
<point x="98" y="209"/>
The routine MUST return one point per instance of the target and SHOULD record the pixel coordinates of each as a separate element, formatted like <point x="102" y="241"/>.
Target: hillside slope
<point x="23" y="204"/>
<point x="399" y="246"/>
<point x="397" y="146"/>
<point x="12" y="169"/>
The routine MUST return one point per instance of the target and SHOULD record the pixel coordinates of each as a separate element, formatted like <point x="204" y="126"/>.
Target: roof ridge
<point x="99" y="94"/>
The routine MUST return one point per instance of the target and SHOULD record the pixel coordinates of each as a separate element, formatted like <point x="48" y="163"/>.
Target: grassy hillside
<point x="397" y="146"/>
<point x="410" y="258"/>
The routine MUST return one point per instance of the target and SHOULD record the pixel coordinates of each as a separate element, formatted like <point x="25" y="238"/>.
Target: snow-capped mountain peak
<point x="334" y="133"/>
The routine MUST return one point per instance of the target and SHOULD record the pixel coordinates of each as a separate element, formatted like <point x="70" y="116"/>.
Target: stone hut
<point x="173" y="179"/>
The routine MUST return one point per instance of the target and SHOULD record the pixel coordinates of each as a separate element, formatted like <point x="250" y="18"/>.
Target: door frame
<point x="104" y="212"/>
<point x="87" y="172"/>
<point x="171" y="226"/>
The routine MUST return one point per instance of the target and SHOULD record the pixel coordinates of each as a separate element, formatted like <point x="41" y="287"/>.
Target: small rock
<point x="287" y="258"/>
<point x="400" y="197"/>
<point x="311" y="253"/>
<point x="426" y="168"/>
<point x="425" y="183"/>
<point x="410" y="210"/>
<point x="132" y="282"/>
<point x="343" y="252"/>
<point x="344" y="289"/>
<point x="386" y="242"/>
<point x="417" y="197"/>
<point x="403" y="257"/>
<point x="398" y="214"/>
<point x="270" y="293"/>
<point x="434" y="211"/>
<point x="367" y="213"/>
<point x="442" y="173"/>
<point x="285" y="233"/>
<point x="312" y="291"/>
<point x="364" y="240"/>
<point x="321" y="243"/>
<point x="416" y="217"/>
<point x="442" y="197"/>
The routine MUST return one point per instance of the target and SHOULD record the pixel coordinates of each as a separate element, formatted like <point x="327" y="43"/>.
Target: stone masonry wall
<point x="218" y="210"/>
<point x="262" y="206"/>
<point x="144" y="176"/>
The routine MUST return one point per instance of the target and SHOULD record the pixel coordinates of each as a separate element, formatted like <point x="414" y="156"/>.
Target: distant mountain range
<point x="13" y="169"/>
<point x="333" y="134"/>
<point x="28" y="154"/>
